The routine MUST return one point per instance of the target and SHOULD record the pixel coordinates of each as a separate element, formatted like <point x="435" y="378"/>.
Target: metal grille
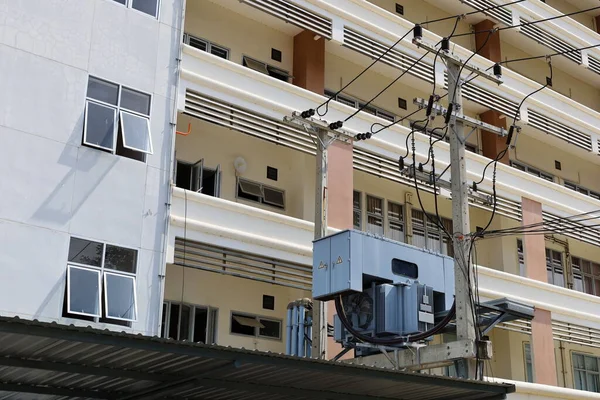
<point x="576" y="334"/>
<point x="220" y="113"/>
<point x="295" y="15"/>
<point x="487" y="98"/>
<point x="394" y="58"/>
<point x="547" y="39"/>
<point x="576" y="230"/>
<point x="500" y="14"/>
<point x="594" y="64"/>
<point x="518" y="325"/>
<point x="243" y="265"/>
<point x="560" y="130"/>
<point x="506" y="207"/>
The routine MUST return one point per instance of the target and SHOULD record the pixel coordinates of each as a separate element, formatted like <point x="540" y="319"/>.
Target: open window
<point x="205" y="45"/>
<point x="259" y="193"/>
<point x="251" y="325"/>
<point x="189" y="322"/>
<point x="119" y="297"/>
<point x="83" y="291"/>
<point x="197" y="177"/>
<point x="266" y="69"/>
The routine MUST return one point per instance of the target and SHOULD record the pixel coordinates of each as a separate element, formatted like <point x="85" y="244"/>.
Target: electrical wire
<point x="483" y="10"/>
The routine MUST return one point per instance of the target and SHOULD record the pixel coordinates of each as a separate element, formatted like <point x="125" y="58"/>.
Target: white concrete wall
<point x="52" y="187"/>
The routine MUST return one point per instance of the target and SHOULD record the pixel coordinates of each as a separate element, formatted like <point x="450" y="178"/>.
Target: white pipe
<point x="301" y="338"/>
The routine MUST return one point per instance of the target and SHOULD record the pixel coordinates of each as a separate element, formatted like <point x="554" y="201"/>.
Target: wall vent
<point x="244" y="265"/>
<point x="574" y="229"/>
<point x="499" y="14"/>
<point x="547" y="39"/>
<point x="294" y="15"/>
<point x="594" y="64"/>
<point x="560" y="130"/>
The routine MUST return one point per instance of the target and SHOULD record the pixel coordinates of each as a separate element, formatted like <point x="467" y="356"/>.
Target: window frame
<point x="594" y="278"/>
<point x="211" y="321"/>
<point x="102" y="270"/>
<point x="99" y="276"/>
<point x="129" y="4"/>
<point x="533" y="171"/>
<point x="354" y="102"/>
<point x="550" y="267"/>
<point x="209" y="45"/>
<point x="400" y="220"/>
<point x="258" y="318"/>
<point x="374" y="215"/>
<point x="149" y="133"/>
<point x="118" y="124"/>
<point x="135" y="303"/>
<point x="583" y="190"/>
<point x="584" y="370"/>
<point x="260" y="200"/>
<point x="527" y="349"/>
<point x="427" y="231"/>
<point x="358" y="210"/>
<point x="268" y="68"/>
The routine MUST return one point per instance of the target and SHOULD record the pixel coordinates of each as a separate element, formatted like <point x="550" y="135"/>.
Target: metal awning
<point x="48" y="361"/>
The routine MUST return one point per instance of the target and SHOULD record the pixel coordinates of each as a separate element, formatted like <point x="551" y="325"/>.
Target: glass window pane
<point x="184" y="326"/>
<point x="85" y="252"/>
<point x="219" y="52"/>
<point x="374" y="206"/>
<point x="396" y="232"/>
<point x="200" y="324"/>
<point x="356" y="200"/>
<point x="136" y="132"/>
<point x="103" y="91"/>
<point x="375" y="225"/>
<point x="591" y="364"/>
<point x="579" y="379"/>
<point x="121" y="1"/>
<point x="135" y="101"/>
<point x="120" y="296"/>
<point x="593" y="383"/>
<point x="239" y="328"/>
<point x="197" y="43"/>
<point x="120" y="258"/>
<point x="395" y="211"/>
<point x="146" y="6"/>
<point x="100" y="125"/>
<point x="597" y="285"/>
<point x="578" y="361"/>
<point x="588" y="285"/>
<point x="271" y="329"/>
<point x="174" y="321"/>
<point x="596" y="270"/>
<point x="83" y="291"/>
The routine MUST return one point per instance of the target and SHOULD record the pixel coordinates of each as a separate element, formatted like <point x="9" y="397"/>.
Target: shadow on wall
<point x="54" y="208"/>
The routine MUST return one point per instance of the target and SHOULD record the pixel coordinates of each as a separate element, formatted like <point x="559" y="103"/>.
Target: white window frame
<point x="267" y="68"/>
<point x="399" y="221"/>
<point x="118" y="113"/>
<point x="102" y="270"/>
<point x="99" y="275"/>
<point x="124" y="136"/>
<point x="129" y="4"/>
<point x="210" y="321"/>
<point x="262" y="194"/>
<point x="551" y="267"/>
<point x="109" y="272"/>
<point x="573" y="354"/>
<point x="580" y="189"/>
<point x="115" y="126"/>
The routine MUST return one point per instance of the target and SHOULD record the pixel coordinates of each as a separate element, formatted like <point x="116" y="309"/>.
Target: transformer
<point x="387" y="288"/>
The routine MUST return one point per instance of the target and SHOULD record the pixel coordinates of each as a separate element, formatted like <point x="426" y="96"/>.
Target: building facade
<point x="165" y="194"/>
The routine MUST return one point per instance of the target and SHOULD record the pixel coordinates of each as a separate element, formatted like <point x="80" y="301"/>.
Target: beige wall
<point x="562" y="82"/>
<point x="231" y="294"/>
<point x="243" y="36"/>
<point x="221" y="146"/>
<point x="565" y="7"/>
<point x="419" y="11"/>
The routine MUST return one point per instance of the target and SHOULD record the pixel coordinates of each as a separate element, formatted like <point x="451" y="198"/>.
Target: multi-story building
<point x="163" y="193"/>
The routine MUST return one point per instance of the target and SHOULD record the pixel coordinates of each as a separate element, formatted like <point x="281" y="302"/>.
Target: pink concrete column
<point x="542" y="342"/>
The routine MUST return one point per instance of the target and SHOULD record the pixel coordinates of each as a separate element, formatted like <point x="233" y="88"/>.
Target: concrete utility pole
<point x="463" y="274"/>
<point x="319" y="311"/>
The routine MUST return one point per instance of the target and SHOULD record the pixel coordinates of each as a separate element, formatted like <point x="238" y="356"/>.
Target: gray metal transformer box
<point x="346" y="262"/>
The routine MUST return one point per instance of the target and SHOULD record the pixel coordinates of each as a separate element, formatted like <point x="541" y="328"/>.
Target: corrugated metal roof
<point x="49" y="361"/>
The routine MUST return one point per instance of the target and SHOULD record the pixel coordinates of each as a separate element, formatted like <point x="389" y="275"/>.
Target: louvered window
<point x="429" y="235"/>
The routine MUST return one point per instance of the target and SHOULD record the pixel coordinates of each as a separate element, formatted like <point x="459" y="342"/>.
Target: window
<point x="101" y="282"/>
<point x="189" y="322"/>
<point x="521" y="257"/>
<point x="586" y="276"/>
<point x="532" y="171"/>
<point x="354" y="103"/>
<point x="357" y="208"/>
<point x="585" y="372"/>
<point x="268" y="302"/>
<point x="117" y="119"/>
<point x="196" y="177"/>
<point x="205" y="45"/>
<point x="374" y="215"/>
<point x="429" y="235"/>
<point x="580" y="189"/>
<point x="395" y="222"/>
<point x="251" y="325"/>
<point x="276" y="55"/>
<point x="554" y="267"/>
<point x="528" y="362"/>
<point x="149" y="7"/>
<point x="266" y="69"/>
<point x="400" y="9"/>
<point x="260" y="193"/>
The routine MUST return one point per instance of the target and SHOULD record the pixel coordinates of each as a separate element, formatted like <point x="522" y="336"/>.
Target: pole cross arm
<point x="314" y="126"/>
<point x="469" y="121"/>
<point x="457" y="60"/>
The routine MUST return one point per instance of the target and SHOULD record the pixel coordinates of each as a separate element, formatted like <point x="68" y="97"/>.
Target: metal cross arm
<point x="457" y="60"/>
<point x="438" y="109"/>
<point x="315" y="126"/>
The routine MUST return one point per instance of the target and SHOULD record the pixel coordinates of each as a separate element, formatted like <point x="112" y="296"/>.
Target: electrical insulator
<point x="336" y="125"/>
<point x="420" y="167"/>
<point x="368" y="135"/>
<point x="446" y="44"/>
<point x="474" y="186"/>
<point x="498" y="70"/>
<point x="449" y="113"/>
<point x="510" y="135"/>
<point x="401" y="163"/>
<point x="418" y="32"/>
<point x="307" y="113"/>
<point x="429" y="106"/>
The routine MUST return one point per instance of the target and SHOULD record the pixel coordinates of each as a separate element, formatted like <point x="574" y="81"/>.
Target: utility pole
<point x="319" y="311"/>
<point x="466" y="366"/>
<point x="464" y="287"/>
<point x="322" y="134"/>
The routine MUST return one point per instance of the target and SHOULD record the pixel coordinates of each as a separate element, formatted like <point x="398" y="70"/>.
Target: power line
<point x="483" y="10"/>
